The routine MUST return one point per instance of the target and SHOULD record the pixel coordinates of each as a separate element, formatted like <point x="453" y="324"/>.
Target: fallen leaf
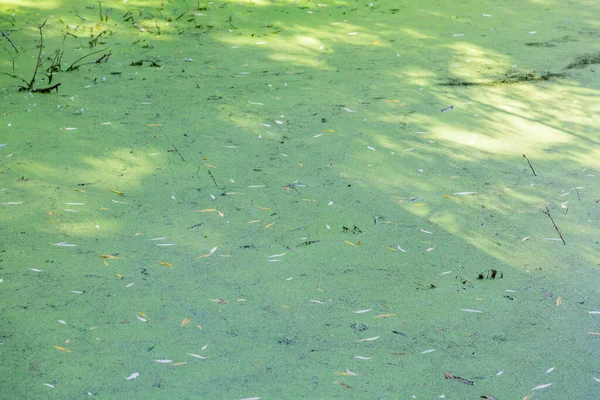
<point x="384" y="315"/>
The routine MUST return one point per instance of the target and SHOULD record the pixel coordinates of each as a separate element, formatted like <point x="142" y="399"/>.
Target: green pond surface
<point x="300" y="200"/>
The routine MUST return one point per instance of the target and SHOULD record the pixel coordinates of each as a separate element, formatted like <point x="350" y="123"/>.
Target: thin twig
<point x="532" y="170"/>
<point x="37" y="64"/>
<point x="8" y="38"/>
<point x="171" y="143"/>
<point x="103" y="58"/>
<point x="547" y="212"/>
<point x="21" y="88"/>
<point x="72" y="67"/>
<point x="213" y="178"/>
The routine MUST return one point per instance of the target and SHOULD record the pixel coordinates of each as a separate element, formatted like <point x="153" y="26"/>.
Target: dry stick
<point x="532" y="170"/>
<point x="547" y="212"/>
<point x="103" y="58"/>
<point x="11" y="42"/>
<point x="47" y="89"/>
<point x="171" y="143"/>
<point x="37" y="64"/>
<point x="213" y="178"/>
<point x="16" y="50"/>
<point x="73" y="67"/>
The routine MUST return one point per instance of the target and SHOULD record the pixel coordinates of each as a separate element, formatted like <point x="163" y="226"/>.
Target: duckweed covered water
<point x="229" y="200"/>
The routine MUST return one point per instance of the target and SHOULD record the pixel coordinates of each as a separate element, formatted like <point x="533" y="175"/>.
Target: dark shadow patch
<point x="584" y="60"/>
<point x="508" y="79"/>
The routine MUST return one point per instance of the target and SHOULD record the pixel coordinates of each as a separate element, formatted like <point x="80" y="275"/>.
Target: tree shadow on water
<point x="336" y="185"/>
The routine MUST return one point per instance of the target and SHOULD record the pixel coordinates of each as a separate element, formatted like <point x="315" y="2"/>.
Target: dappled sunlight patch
<point x="121" y="168"/>
<point x="520" y="196"/>
<point x="511" y="131"/>
<point x="44" y="5"/>
<point x="307" y="42"/>
<point x="249" y="124"/>
<point x="100" y="228"/>
<point x="417" y="34"/>
<point x="504" y="122"/>
<point x="472" y="62"/>
<point x="523" y="135"/>
<point x="297" y="50"/>
<point x="297" y="60"/>
<point x="412" y="75"/>
<point x="577" y="104"/>
<point x="306" y="46"/>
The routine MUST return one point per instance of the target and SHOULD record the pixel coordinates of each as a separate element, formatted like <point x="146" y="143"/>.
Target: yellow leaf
<point x="117" y="192"/>
<point x="165" y="264"/>
<point x="110" y="256"/>
<point x="558" y="301"/>
<point x="210" y="165"/>
<point x="62" y="349"/>
<point x="185" y="322"/>
<point x="384" y="315"/>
